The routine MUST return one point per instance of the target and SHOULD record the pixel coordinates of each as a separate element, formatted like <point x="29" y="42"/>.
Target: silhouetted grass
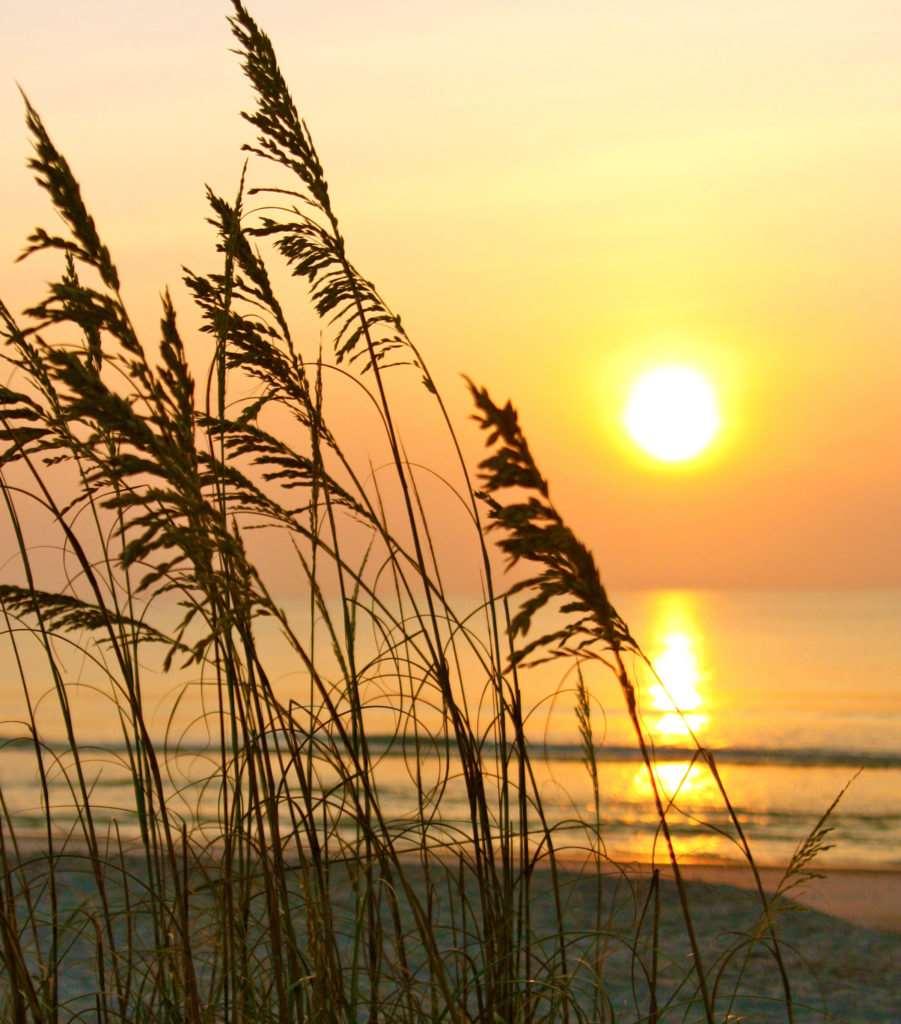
<point x="304" y="895"/>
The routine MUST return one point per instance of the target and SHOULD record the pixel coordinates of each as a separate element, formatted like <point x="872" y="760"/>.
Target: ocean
<point x="797" y="694"/>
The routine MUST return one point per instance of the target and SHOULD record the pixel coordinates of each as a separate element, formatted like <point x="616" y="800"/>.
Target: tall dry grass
<point x="304" y="895"/>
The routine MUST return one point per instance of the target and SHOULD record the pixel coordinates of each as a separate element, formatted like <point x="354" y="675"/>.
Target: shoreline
<point x="869" y="897"/>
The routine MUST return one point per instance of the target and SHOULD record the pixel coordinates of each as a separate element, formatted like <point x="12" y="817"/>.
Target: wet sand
<point x="871" y="898"/>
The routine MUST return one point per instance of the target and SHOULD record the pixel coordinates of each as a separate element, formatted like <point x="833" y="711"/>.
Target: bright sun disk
<point x="672" y="413"/>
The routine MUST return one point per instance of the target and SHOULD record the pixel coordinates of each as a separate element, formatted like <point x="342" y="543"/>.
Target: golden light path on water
<point x="677" y="699"/>
<point x="678" y="694"/>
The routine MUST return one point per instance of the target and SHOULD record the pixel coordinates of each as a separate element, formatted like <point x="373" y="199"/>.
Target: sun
<point x="672" y="413"/>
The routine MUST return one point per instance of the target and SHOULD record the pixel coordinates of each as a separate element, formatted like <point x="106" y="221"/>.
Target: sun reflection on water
<point x="679" y="697"/>
<point x="678" y="701"/>
<point x="686" y="783"/>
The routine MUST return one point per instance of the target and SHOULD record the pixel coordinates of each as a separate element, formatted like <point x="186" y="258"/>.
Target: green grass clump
<point x="301" y="895"/>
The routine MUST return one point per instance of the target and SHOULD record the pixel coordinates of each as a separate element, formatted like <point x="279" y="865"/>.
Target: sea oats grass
<point x="258" y="863"/>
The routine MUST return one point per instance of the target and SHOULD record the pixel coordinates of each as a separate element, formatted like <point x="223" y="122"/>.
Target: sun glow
<point x="672" y="413"/>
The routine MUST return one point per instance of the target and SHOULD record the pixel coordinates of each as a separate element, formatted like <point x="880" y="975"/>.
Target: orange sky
<point x="554" y="197"/>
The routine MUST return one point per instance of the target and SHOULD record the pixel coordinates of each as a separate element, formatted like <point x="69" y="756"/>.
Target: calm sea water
<point x="797" y="692"/>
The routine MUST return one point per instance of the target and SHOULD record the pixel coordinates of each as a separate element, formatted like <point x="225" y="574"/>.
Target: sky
<point x="555" y="197"/>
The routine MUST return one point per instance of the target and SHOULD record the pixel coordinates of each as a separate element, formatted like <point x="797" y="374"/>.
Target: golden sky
<point x="555" y="197"/>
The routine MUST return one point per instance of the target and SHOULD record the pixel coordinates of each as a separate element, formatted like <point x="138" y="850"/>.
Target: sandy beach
<point x="840" y="938"/>
<point x="840" y="942"/>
